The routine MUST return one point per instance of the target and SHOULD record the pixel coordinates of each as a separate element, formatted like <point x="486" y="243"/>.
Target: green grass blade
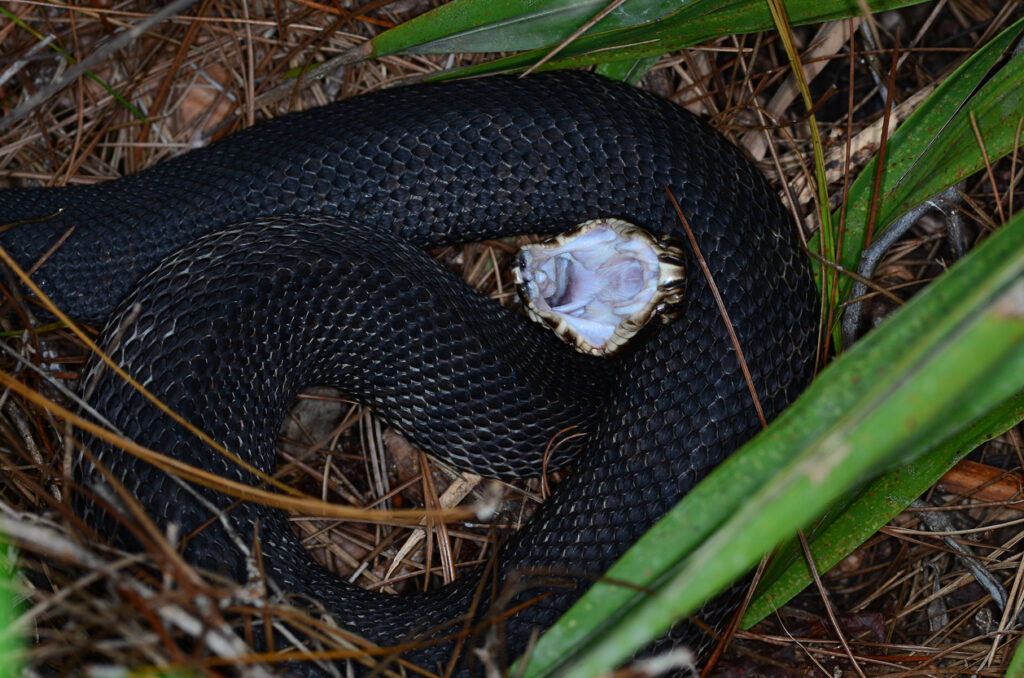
<point x="828" y="242"/>
<point x="10" y="634"/>
<point x="945" y="362"/>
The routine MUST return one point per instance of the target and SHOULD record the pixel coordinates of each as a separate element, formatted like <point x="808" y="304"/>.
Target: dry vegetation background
<point x="904" y="603"/>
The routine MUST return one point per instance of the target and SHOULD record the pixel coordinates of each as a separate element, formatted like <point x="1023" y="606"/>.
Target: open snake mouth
<point x="597" y="285"/>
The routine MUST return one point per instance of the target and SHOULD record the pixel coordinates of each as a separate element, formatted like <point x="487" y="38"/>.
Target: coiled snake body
<point x="324" y="282"/>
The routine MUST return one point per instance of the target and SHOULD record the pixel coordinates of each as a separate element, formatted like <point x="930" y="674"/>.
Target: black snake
<point x="302" y="265"/>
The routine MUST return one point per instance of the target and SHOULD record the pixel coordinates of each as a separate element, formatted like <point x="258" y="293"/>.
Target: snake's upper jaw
<point x="598" y="284"/>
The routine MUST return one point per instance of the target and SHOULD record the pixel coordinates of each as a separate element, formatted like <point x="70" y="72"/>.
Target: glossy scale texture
<point x="300" y="297"/>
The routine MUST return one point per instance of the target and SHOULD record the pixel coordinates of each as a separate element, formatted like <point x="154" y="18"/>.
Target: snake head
<point x="597" y="285"/>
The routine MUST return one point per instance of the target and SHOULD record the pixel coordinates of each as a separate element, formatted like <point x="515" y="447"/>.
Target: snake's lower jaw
<point x="599" y="284"/>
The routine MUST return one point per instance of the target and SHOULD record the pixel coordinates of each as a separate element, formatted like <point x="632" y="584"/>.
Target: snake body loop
<point x="302" y="265"/>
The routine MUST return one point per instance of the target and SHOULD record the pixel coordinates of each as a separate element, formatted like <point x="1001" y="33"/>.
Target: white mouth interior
<point x="594" y="281"/>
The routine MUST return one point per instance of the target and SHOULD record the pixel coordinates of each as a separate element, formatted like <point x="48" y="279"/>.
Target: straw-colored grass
<point x="903" y="602"/>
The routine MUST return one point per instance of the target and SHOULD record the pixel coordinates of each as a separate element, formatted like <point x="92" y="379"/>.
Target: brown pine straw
<point x="902" y="603"/>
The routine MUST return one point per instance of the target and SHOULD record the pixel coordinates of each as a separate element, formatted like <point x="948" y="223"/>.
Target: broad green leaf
<point x="943" y="363"/>
<point x="635" y="30"/>
<point x="694" y="22"/>
<point x="510" y="25"/>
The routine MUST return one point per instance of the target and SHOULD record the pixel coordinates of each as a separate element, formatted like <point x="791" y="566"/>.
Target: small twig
<point x="1013" y="164"/>
<point x="437" y="528"/>
<point x="18" y="64"/>
<point x="940" y="523"/>
<point x="1011" y="613"/>
<point x="311" y="75"/>
<point x="857" y="277"/>
<point x="827" y="601"/>
<point x="98" y="56"/>
<point x="876" y="181"/>
<point x="554" y="443"/>
<point x="988" y="167"/>
<point x="737" y="617"/>
<point x="58" y="386"/>
<point x="869" y="32"/>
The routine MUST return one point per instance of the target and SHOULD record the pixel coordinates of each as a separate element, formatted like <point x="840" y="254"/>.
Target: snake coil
<point x="297" y="261"/>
